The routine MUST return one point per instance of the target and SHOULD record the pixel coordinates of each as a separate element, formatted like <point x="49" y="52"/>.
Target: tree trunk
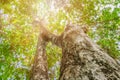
<point x="82" y="59"/>
<point x="40" y="69"/>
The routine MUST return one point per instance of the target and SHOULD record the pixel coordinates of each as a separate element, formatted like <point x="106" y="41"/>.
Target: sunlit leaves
<point x="18" y="38"/>
<point x="18" y="42"/>
<point x="54" y="57"/>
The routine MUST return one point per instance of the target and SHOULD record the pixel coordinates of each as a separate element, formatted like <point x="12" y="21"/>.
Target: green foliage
<point x="18" y="37"/>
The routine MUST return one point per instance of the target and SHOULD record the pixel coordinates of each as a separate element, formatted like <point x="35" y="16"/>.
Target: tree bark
<point x="40" y="69"/>
<point x="82" y="59"/>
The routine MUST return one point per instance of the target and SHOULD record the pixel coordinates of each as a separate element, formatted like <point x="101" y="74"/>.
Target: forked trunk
<point x="82" y="59"/>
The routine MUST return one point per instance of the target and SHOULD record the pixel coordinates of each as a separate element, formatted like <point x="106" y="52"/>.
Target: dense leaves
<point x="18" y="36"/>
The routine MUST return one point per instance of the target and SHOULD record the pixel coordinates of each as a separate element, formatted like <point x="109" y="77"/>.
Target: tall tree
<point x="82" y="59"/>
<point x="40" y="69"/>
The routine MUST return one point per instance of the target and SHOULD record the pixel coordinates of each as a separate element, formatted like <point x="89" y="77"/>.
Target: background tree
<point x="39" y="69"/>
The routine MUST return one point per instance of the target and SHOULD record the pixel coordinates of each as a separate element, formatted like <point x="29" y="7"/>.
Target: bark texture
<point x="40" y="69"/>
<point x="82" y="59"/>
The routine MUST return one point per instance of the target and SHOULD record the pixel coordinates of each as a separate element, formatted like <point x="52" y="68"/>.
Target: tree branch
<point x="46" y="35"/>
